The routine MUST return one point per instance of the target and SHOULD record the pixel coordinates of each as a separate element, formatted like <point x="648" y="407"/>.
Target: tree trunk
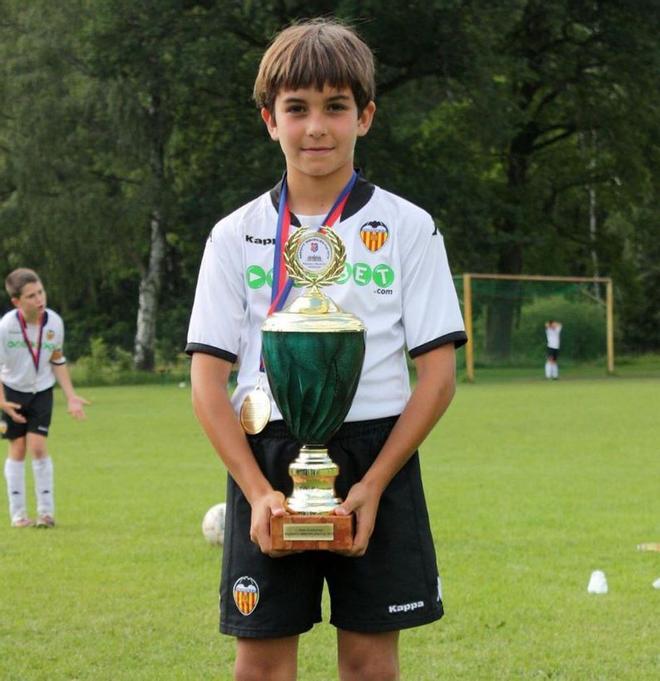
<point x="145" y="336"/>
<point x="504" y="306"/>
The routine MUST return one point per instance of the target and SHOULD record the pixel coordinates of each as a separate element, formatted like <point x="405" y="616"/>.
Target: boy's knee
<point x="263" y="670"/>
<point x="39" y="452"/>
<point x="17" y="449"/>
<point x="369" y="669"/>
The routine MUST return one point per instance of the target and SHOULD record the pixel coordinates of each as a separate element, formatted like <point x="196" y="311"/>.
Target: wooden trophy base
<point x="311" y="532"/>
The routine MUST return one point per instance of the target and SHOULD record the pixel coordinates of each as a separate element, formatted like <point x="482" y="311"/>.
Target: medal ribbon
<point x="35" y="354"/>
<point x="281" y="282"/>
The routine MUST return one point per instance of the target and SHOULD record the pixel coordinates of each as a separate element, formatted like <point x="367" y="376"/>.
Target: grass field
<point x="531" y="486"/>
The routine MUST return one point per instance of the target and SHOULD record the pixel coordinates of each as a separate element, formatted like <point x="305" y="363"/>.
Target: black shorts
<point x="37" y="409"/>
<point x="395" y="585"/>
<point x="553" y="353"/>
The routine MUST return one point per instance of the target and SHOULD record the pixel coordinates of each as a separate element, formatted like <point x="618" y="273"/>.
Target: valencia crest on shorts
<point x="246" y="595"/>
<point x="374" y="234"/>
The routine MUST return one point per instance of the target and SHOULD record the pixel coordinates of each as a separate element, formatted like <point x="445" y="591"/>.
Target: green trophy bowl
<point x="313" y="354"/>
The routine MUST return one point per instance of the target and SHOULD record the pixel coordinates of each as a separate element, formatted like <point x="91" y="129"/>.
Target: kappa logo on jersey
<point x="374" y="234"/>
<point x="246" y="595"/>
<point x="256" y="240"/>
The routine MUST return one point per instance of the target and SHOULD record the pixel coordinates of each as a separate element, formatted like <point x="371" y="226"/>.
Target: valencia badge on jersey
<point x="374" y="234"/>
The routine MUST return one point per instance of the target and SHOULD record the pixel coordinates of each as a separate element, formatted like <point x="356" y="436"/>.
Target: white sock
<point x="15" y="477"/>
<point x="555" y="370"/>
<point x="43" y="485"/>
<point x="548" y="370"/>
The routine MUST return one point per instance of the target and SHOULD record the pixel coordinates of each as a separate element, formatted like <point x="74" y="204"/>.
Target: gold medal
<point x="255" y="411"/>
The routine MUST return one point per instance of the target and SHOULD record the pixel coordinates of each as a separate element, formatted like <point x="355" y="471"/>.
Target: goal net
<point x="505" y="317"/>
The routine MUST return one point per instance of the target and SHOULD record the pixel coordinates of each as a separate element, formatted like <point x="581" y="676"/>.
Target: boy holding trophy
<point x="315" y="90"/>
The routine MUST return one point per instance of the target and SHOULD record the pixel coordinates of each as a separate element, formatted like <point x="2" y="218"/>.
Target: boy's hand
<point x="11" y="409"/>
<point x="75" y="406"/>
<point x="271" y="504"/>
<point x="363" y="502"/>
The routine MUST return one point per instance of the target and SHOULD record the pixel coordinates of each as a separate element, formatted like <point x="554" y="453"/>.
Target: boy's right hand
<point x="270" y="504"/>
<point x="11" y="409"/>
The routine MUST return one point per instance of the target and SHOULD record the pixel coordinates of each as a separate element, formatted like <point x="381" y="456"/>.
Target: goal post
<point x="496" y="303"/>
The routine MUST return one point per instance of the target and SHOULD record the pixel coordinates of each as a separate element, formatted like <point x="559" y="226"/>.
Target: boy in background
<point x="31" y="360"/>
<point x="552" y="336"/>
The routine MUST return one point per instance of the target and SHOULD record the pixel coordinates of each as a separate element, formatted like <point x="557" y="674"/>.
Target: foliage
<point x="582" y="336"/>
<point x="528" y="128"/>
<point x="103" y="366"/>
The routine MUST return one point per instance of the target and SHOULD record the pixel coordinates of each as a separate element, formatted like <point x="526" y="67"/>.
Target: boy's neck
<point x="310" y="195"/>
<point x="33" y="318"/>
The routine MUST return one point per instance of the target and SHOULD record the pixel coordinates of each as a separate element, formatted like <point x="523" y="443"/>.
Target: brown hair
<point x="17" y="279"/>
<point x="316" y="53"/>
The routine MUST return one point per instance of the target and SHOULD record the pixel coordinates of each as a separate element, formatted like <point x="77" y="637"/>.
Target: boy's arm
<point x="10" y="408"/>
<point x="209" y="378"/>
<point x="75" y="403"/>
<point x="436" y="383"/>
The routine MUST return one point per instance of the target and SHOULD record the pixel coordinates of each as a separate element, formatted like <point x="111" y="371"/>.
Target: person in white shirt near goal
<point x="552" y="334"/>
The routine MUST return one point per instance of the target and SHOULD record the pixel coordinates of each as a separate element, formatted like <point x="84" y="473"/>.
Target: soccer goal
<point x="505" y="318"/>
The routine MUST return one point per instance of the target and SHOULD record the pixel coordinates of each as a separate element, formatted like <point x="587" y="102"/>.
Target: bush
<point x="103" y="366"/>
<point x="583" y="335"/>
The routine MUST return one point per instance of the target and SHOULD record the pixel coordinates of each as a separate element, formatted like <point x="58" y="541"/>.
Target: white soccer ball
<point x="213" y="525"/>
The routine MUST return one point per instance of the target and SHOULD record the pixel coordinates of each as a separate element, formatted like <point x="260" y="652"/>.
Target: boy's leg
<point x="42" y="467"/>
<point x="15" y="477"/>
<point x="548" y="368"/>
<point x="368" y="657"/>
<point x="266" y="659"/>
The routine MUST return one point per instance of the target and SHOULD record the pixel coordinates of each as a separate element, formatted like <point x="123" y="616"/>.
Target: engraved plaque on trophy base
<point x="311" y="532"/>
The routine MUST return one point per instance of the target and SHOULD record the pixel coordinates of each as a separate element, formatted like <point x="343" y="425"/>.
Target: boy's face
<point x="32" y="301"/>
<point x="317" y="130"/>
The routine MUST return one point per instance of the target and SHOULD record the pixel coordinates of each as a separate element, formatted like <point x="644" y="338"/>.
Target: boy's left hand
<point x="75" y="406"/>
<point x="363" y="502"/>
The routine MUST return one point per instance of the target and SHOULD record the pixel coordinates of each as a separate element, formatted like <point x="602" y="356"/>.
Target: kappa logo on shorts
<point x="374" y="234"/>
<point x="246" y="595"/>
<point x="406" y="607"/>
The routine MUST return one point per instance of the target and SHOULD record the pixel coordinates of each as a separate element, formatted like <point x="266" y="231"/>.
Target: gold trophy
<point x="313" y="353"/>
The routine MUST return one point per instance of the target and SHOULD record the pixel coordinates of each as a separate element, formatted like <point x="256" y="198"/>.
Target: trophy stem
<point x="313" y="474"/>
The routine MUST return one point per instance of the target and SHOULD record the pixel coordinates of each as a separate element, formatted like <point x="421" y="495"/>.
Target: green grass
<point x="531" y="486"/>
<point x="625" y="366"/>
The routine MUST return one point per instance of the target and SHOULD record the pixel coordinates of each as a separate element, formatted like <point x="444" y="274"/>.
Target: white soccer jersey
<point x="16" y="365"/>
<point x="552" y="335"/>
<point x="396" y="280"/>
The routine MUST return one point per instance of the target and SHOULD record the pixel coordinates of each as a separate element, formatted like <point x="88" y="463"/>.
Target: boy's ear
<point x="365" y="119"/>
<point x="15" y="301"/>
<point x="271" y="125"/>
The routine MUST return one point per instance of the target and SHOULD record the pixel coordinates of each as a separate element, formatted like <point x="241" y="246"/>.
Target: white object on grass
<point x="213" y="525"/>
<point x="597" y="583"/>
